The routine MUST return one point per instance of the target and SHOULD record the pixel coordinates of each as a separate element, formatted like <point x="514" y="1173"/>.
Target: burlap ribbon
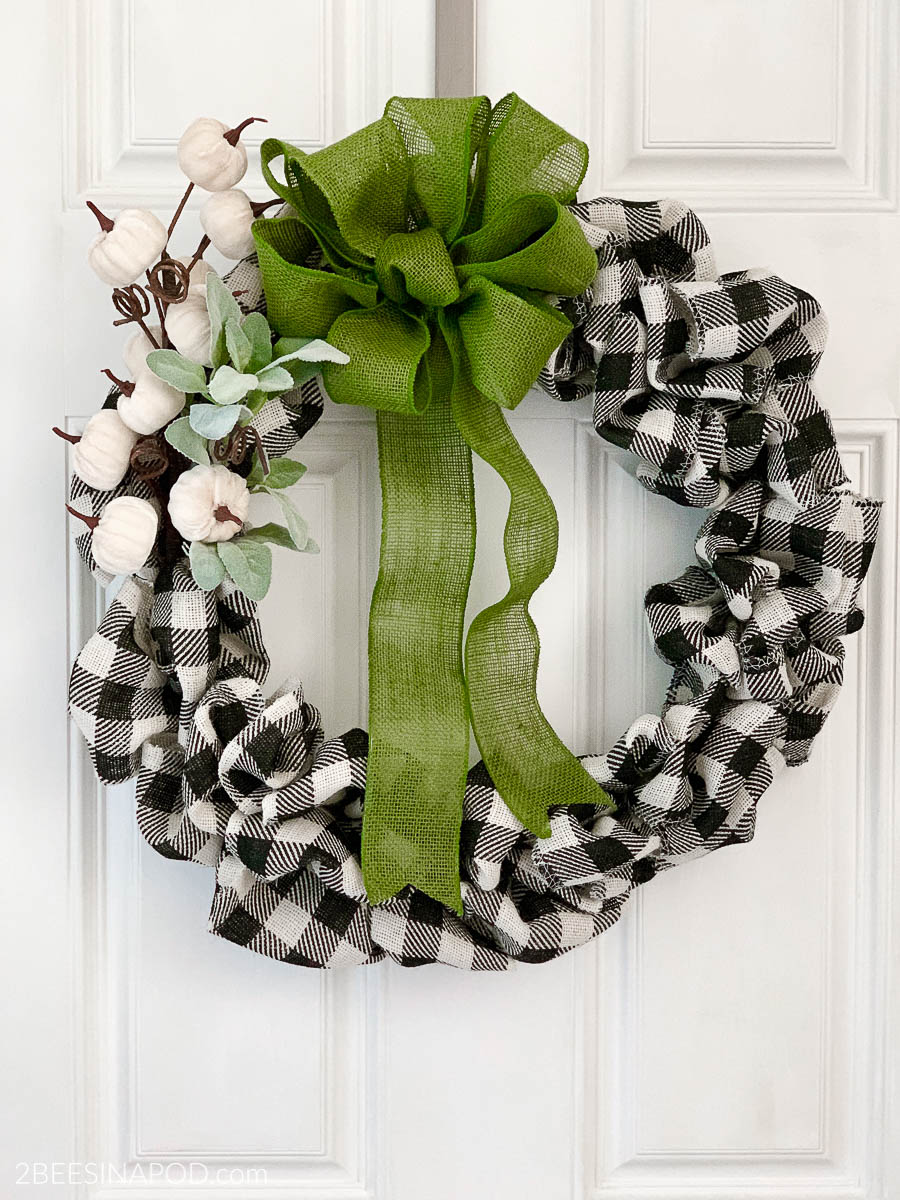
<point x="433" y="235"/>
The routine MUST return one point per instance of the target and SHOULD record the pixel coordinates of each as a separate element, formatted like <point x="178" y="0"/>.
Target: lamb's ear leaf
<point x="229" y="386"/>
<point x="239" y="348"/>
<point x="182" y="435"/>
<point x="297" y="527"/>
<point x="256" y="400"/>
<point x="176" y="370"/>
<point x="218" y="350"/>
<point x="287" y="345"/>
<point x="276" y="534"/>
<point x="276" y="379"/>
<point x="256" y="327"/>
<point x="307" y="350"/>
<point x="301" y="371"/>
<point x="256" y="478"/>
<point x="249" y="563"/>
<point x="213" y="421"/>
<point x="283" y="472"/>
<point x="207" y="568"/>
<point x="220" y="305"/>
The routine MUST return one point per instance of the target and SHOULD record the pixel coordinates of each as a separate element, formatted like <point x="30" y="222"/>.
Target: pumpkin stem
<point x="66" y="437"/>
<point x="106" y="223"/>
<point x="125" y="386"/>
<point x="224" y="513"/>
<point x="232" y="135"/>
<point x="91" y="522"/>
<point x="259" y="206"/>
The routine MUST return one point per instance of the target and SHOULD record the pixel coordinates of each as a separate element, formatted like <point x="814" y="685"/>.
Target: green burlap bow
<point x="423" y="246"/>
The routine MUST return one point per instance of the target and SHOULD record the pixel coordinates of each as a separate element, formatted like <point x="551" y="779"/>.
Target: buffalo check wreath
<point x="405" y="263"/>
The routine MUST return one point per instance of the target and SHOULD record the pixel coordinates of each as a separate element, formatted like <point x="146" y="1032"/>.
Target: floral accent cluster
<point x="183" y="427"/>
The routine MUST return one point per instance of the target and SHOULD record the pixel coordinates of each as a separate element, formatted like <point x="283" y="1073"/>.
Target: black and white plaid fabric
<point x="706" y="381"/>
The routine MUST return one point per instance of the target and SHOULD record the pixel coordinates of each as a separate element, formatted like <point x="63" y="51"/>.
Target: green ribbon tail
<point x="418" y="715"/>
<point x="529" y="765"/>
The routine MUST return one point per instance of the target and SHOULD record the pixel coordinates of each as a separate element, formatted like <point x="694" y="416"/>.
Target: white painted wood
<point x="736" y="1035"/>
<point x="740" y="1023"/>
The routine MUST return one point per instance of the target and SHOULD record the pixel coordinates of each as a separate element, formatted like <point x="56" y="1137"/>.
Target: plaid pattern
<point x="137" y="681"/>
<point x="706" y="381"/>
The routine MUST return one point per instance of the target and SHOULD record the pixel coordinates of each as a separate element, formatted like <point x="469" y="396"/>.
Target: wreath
<point x="434" y="266"/>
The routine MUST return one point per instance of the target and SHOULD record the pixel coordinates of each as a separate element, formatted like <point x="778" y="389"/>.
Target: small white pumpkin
<point x="187" y="325"/>
<point x="123" y="538"/>
<point x="136" y="349"/>
<point x="127" y="246"/>
<point x="102" y="455"/>
<point x="211" y="155"/>
<point x="150" y="403"/>
<point x="227" y="218"/>
<point x="209" y="504"/>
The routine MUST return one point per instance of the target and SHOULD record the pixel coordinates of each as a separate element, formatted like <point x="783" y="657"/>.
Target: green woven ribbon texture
<point x="423" y="246"/>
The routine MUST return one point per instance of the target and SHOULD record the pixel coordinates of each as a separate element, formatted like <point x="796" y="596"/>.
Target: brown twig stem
<point x="161" y="313"/>
<point x="133" y="304"/>
<point x="198" y="254"/>
<point x="179" y="210"/>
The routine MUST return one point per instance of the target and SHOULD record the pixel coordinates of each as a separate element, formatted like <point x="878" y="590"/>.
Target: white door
<point x="736" y="1034"/>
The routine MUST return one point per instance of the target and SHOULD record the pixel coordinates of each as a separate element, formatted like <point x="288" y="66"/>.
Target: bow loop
<point x="417" y="266"/>
<point x="303" y="301"/>
<point x="532" y="242"/>
<point x="442" y="138"/>
<point x="525" y="152"/>
<point x="394" y="339"/>
<point x="355" y="189"/>
<point x="507" y="338"/>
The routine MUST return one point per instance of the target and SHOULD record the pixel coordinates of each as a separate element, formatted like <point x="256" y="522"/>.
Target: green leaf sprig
<point x="247" y="371"/>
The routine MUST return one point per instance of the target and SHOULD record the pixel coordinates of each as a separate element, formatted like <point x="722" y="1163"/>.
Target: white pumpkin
<point x="187" y="325"/>
<point x="103" y="454"/>
<point x="208" y="156"/>
<point x="204" y="501"/>
<point x="127" y="246"/>
<point x="123" y="539"/>
<point x="151" y="403"/>
<point x="227" y="218"/>
<point x="136" y="349"/>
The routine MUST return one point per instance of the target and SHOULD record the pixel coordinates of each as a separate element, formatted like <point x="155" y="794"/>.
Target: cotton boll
<point x="203" y="502"/>
<point x="102" y="455"/>
<point x="127" y="246"/>
<point x="227" y="218"/>
<point x="123" y="540"/>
